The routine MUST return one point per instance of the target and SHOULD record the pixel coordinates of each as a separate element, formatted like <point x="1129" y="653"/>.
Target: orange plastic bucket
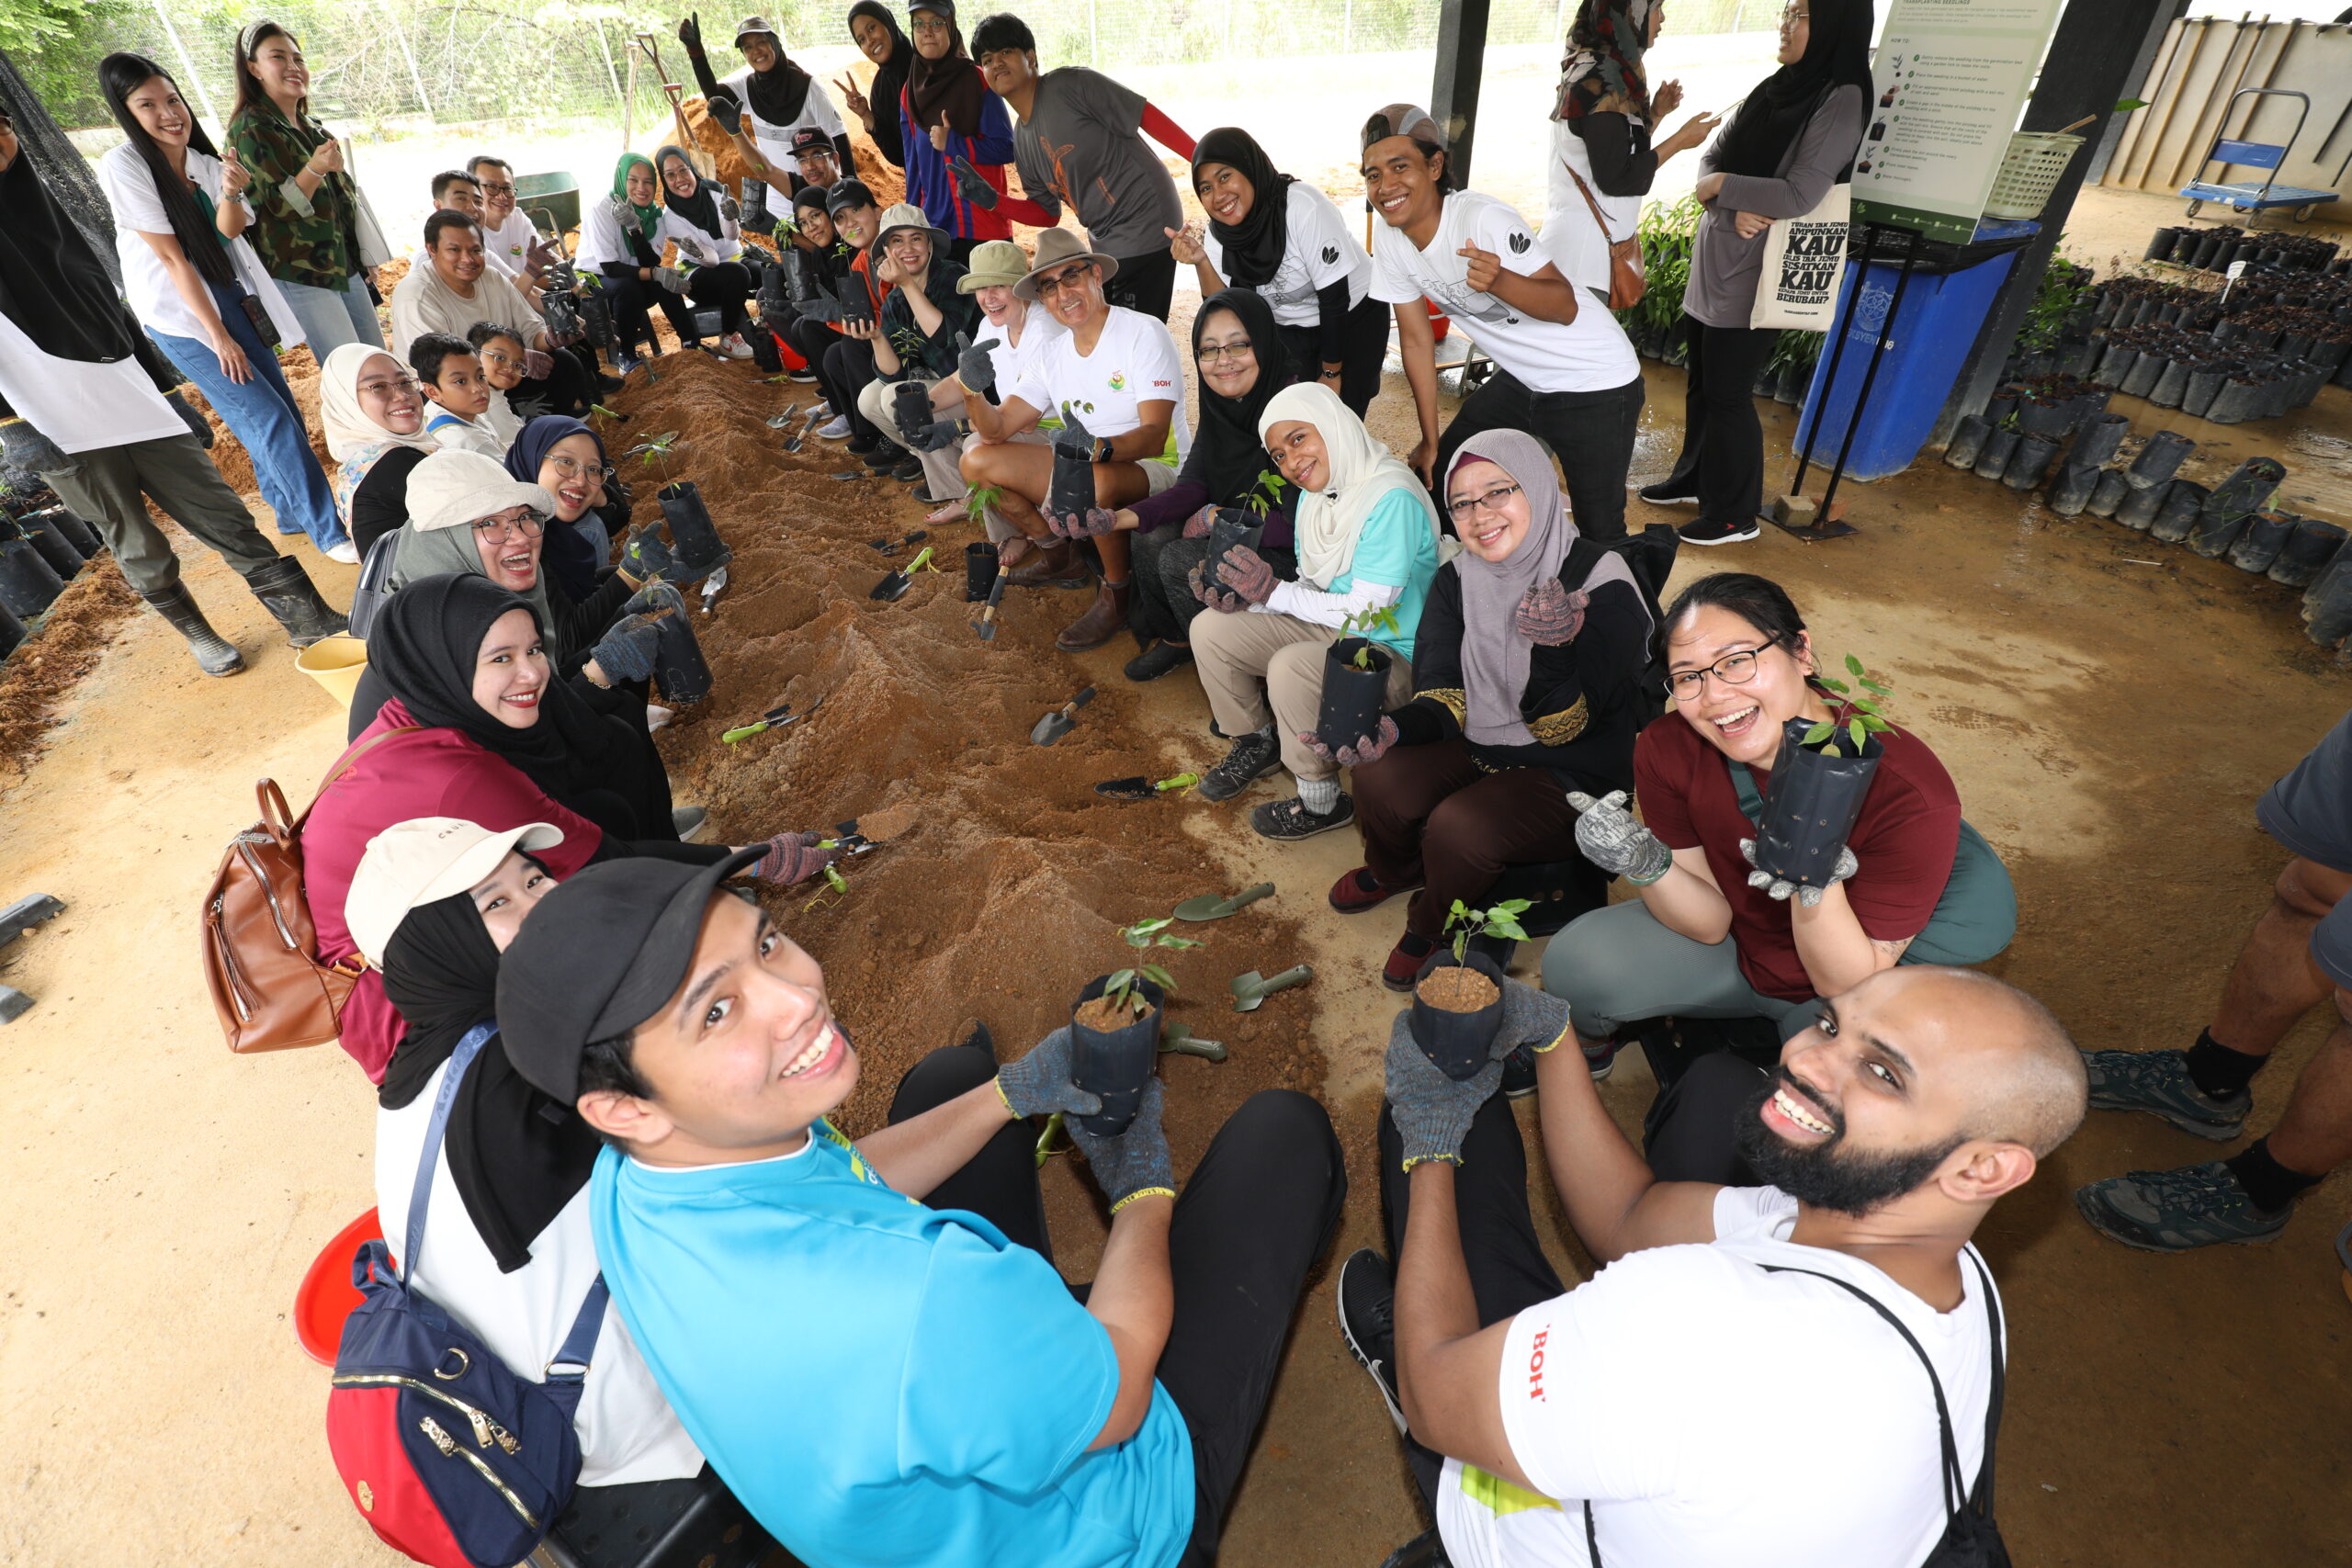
<point x="326" y="1295"/>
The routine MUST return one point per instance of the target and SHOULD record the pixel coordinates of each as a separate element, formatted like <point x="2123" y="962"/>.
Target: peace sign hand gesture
<point x="1485" y="267"/>
<point x="857" y="101"/>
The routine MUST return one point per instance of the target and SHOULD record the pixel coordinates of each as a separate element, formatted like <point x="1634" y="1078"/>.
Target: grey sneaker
<point x="1367" y="1303"/>
<point x="2173" y="1211"/>
<point x="1251" y="759"/>
<point x="1287" y="821"/>
<point x="2158" y="1083"/>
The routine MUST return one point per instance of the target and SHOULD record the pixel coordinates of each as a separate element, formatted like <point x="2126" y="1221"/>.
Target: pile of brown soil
<point x="1007" y="894"/>
<point x="41" y="673"/>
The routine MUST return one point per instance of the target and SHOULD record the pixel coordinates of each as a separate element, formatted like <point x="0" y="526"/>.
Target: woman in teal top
<point x="1367" y="541"/>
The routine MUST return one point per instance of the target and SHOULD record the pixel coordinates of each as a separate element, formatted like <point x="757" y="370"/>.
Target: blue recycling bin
<point x="1950" y="290"/>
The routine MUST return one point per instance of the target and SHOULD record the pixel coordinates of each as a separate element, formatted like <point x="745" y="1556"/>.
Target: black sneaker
<point x="883" y="459"/>
<point x="803" y="376"/>
<point x="1367" y="1297"/>
<point x="1157" y="661"/>
<point x="1287" y="821"/>
<point x="1252" y="758"/>
<point x="909" y="469"/>
<point x="1732" y="533"/>
<point x="1426" y="1550"/>
<point x="976" y="1034"/>
<point x="862" y="445"/>
<point x="2158" y="1083"/>
<point x="1519" y="1071"/>
<point x="1675" y="490"/>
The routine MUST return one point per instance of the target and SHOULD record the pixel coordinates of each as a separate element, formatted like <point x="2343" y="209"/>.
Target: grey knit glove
<point x="626" y="651"/>
<point x="1613" y="840"/>
<point x="1134" y="1164"/>
<point x="24" y="446"/>
<point x="1777" y="890"/>
<point x="1531" y="1017"/>
<point x="1433" y="1111"/>
<point x="1039" y="1083"/>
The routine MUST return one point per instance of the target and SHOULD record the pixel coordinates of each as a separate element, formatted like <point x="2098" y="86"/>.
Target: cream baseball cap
<point x="420" y="860"/>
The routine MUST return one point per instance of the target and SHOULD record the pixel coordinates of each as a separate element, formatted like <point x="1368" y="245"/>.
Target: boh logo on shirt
<point x="1535" y="1366"/>
<point x="1118" y="380"/>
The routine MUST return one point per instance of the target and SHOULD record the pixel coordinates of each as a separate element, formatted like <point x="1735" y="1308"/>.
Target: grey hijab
<point x="436" y="552"/>
<point x="1494" y="655"/>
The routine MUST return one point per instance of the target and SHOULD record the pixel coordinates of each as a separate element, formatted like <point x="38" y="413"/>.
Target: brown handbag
<point x="261" y="949"/>
<point x="1626" y="283"/>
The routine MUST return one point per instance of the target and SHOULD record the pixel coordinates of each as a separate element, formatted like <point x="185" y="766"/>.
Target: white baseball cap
<point x="420" y="860"/>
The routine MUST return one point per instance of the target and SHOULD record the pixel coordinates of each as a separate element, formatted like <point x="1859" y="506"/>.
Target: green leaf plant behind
<point x="1845" y="732"/>
<point x="977" y="502"/>
<point x="1502" y="922"/>
<point x="1364" y="623"/>
<point x="1121" y="989"/>
<point x="657" y="450"/>
<point x="1262" y="493"/>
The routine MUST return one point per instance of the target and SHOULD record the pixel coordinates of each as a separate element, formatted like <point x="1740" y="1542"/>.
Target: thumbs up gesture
<point x="939" y="135"/>
<point x="1485" y="268"/>
<point x="234" y="176"/>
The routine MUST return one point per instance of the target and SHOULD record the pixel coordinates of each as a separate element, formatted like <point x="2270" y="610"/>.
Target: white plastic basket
<point x="2030" y="172"/>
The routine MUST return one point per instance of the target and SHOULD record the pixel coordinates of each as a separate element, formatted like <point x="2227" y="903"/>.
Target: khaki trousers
<point x="1234" y="652"/>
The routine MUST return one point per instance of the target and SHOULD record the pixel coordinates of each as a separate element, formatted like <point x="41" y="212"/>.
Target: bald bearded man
<point x="1756" y="1377"/>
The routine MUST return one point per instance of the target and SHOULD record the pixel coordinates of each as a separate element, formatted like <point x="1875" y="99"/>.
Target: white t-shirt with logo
<point x="1011" y="360"/>
<point x="775" y="141"/>
<point x="508" y="246"/>
<point x="1134" y="362"/>
<point x="1591" y="354"/>
<point x="139" y="209"/>
<point x="1318" y="250"/>
<point x="1781" y="1424"/>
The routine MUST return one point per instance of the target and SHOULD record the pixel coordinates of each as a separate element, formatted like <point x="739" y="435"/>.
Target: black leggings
<point x="631" y="299"/>
<point x="1145" y="283"/>
<point x="567" y="388"/>
<point x="1361" y="349"/>
<point x="1255" y="1215"/>
<point x="722" y="286"/>
<point x="1163" y="605"/>
<point x="1723" y="439"/>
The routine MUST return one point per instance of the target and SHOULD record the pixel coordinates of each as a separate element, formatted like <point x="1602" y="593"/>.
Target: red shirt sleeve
<point x="1021" y="210"/>
<point x="1661" y="781"/>
<point x="1904" y="842"/>
<point x="1166" y="132"/>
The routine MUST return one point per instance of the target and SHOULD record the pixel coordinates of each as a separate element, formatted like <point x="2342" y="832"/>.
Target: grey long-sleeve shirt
<point x="1724" y="268"/>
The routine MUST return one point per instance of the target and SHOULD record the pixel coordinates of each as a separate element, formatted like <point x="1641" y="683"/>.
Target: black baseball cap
<point x="599" y="956"/>
<point x="848" y="193"/>
<point x="810" y="139"/>
<point x="811" y="195"/>
<point x="936" y="7"/>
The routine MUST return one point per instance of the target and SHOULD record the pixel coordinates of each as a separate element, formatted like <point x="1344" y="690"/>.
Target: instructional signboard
<point x="1951" y="77"/>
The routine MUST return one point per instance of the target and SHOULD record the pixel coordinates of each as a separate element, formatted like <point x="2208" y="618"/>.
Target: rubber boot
<point x="214" y="656"/>
<point x="1055" y="566"/>
<point x="1103" y="621"/>
<point x="2111" y="489"/>
<point x="2309" y="550"/>
<point x="2182" y="504"/>
<point x="2265" y="536"/>
<point x="287" y="592"/>
<point x="2159" y="460"/>
<point x="1967" y="441"/>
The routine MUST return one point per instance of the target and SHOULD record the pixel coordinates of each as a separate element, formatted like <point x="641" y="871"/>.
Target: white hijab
<point x="347" y="425"/>
<point x="1363" y="472"/>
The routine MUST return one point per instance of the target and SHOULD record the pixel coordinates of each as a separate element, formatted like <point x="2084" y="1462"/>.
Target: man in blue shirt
<point x="886" y="1380"/>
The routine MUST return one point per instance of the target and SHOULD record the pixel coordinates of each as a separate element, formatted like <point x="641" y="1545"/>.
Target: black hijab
<point x="780" y="93"/>
<point x="949" y="86"/>
<point x="1227" y="454"/>
<point x="891" y="74"/>
<point x="701" y="209"/>
<point x="1774" y="113"/>
<point x="52" y="286"/>
<point x="516" y="1156"/>
<point x="424" y="644"/>
<point x="1253" y="247"/>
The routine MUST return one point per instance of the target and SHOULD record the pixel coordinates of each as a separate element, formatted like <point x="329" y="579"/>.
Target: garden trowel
<point x="1060" y="722"/>
<point x="894" y="586"/>
<point x="1212" y="907"/>
<point x="1178" y="1039"/>
<point x="1252" y="989"/>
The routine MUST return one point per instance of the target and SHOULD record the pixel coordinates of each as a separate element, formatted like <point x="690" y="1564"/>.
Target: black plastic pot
<point x="2002" y="404"/>
<point x="2182" y="504"/>
<point x="856" y="304"/>
<point x="2309" y="551"/>
<point x="78" y="533"/>
<point x="2328" y="354"/>
<point x="62" y="557"/>
<point x="2172" y="384"/>
<point x="2029" y="462"/>
<point x="1810" y="807"/>
<point x="2071" y="490"/>
<point x="2101" y="437"/>
<point x="2103" y="311"/>
<point x="2109" y="492"/>
<point x="979" y="570"/>
<point x="1999" y="448"/>
<point x="1354" y="699"/>
<point x="799" y="274"/>
<point x="678" y="667"/>
<point x="2045" y="419"/>
<point x="2160" y="245"/>
<point x="2159" y="460"/>
<point x="1231" y="527"/>
<point x="1967" y="441"/>
<point x="2295" y="344"/>
<point x="694" y="538"/>
<point x="1117" y="1063"/>
<point x="1459" y="1043"/>
<point x="2145" y="371"/>
<point x="2211" y="532"/>
<point x="2139" y="507"/>
<point x="2204" y="385"/>
<point x="1070" y="490"/>
<point x="1795" y="380"/>
<point x="1766" y="381"/>
<point x="2327" y="604"/>
<point x="2115" y="364"/>
<point x="28" y="582"/>
<point x="2238" y="400"/>
<point x="2248" y="488"/>
<point x="11" y="631"/>
<point x="2265" y="535"/>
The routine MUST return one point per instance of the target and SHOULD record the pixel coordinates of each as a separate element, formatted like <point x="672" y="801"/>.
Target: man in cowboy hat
<point x="1117" y="385"/>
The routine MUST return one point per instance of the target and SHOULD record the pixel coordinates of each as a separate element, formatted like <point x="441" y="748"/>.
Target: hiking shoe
<point x="1675" y="490"/>
<point x="1157" y="661"/>
<point x="907" y="469"/>
<point x="803" y="375"/>
<point x="837" y="429"/>
<point x="1367" y="1299"/>
<point x="2173" y="1211"/>
<point x="2158" y="1083"/>
<point x="1356" y="892"/>
<point x="1252" y="758"/>
<point x="1600" y="1059"/>
<point x="1730" y="533"/>
<point x="883" y="459"/>
<point x="1287" y="821"/>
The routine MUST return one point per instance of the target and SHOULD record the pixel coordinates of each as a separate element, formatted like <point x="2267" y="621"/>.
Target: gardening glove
<point x="198" y="426"/>
<point x="975" y="368"/>
<point x="1248" y="574"/>
<point x="1214" y="598"/>
<point x="1433" y="1113"/>
<point x="1038" y="1084"/>
<point x="671" y="279"/>
<point x="972" y="186"/>
<point x="1777" y="890"/>
<point x="795" y="857"/>
<point x="937" y="436"/>
<point x="1198" y="525"/>
<point x="1613" y="840"/>
<point x="626" y="651"/>
<point x="645" y="557"/>
<point x="1532" y="1017"/>
<point x="729" y="211"/>
<point x="22" y="447"/>
<point x="1136" y="1163"/>
<point x="1367" y="749"/>
<point x="537" y="364"/>
<point x="910" y="410"/>
<point x="1550" y="614"/>
<point x="1075" y="443"/>
<point x="653" y="598"/>
<point x="1090" y="523"/>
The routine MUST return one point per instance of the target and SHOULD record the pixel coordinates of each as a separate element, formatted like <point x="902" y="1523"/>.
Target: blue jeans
<point x="333" y="317"/>
<point x="263" y="415"/>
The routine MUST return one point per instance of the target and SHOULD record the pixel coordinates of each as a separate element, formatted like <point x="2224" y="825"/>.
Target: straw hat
<point x="1059" y="247"/>
<point x="907" y="215"/>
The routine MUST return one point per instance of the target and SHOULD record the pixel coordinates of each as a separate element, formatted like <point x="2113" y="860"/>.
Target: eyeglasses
<point x="930" y="22"/>
<point x="496" y="188"/>
<point x="1492" y="501"/>
<point x="385" y="388"/>
<point x="530" y="525"/>
<point x="1212" y="352"/>
<point x="1733" y="670"/>
<point x="572" y="467"/>
<point x="1049" y="286"/>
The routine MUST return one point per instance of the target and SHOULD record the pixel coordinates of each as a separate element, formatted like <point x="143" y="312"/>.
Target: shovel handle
<point x="1296" y="975"/>
<point x="1248" y="896"/>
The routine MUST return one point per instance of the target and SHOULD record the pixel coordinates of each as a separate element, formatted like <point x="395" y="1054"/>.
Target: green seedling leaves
<point x="1848" y="729"/>
<point x="1121" y="986"/>
<point x="1500" y="921"/>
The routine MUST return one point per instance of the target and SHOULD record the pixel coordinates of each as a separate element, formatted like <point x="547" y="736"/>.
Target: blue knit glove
<point x="1433" y="1111"/>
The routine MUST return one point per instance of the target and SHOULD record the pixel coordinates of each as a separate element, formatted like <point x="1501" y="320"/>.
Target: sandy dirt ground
<point x="2109" y="708"/>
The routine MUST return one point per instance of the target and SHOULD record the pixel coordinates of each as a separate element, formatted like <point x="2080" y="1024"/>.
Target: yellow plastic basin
<point x="335" y="664"/>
